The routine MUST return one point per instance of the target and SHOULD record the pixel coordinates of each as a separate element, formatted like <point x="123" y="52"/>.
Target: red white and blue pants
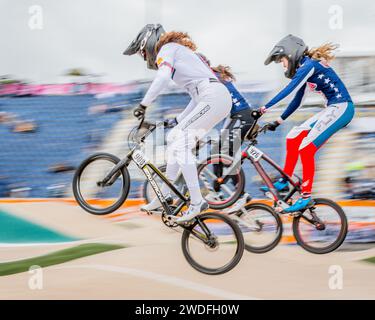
<point x="306" y="139"/>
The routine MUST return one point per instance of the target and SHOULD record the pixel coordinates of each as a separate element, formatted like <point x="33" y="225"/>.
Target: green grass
<point x="57" y="257"/>
<point x="371" y="260"/>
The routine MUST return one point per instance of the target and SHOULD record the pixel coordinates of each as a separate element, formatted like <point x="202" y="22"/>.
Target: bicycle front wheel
<point x="212" y="243"/>
<point x="321" y="228"/>
<point x="90" y="194"/>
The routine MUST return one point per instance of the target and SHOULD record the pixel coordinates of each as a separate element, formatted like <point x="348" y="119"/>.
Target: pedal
<point x="239" y="204"/>
<point x="280" y="206"/>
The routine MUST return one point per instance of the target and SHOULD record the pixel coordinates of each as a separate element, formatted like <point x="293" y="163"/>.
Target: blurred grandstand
<point x="47" y="132"/>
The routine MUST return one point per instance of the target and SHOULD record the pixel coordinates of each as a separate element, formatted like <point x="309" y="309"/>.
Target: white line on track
<point x="178" y="282"/>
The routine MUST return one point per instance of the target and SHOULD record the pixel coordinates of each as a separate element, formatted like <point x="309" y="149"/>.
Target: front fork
<point x="319" y="224"/>
<point x="115" y="172"/>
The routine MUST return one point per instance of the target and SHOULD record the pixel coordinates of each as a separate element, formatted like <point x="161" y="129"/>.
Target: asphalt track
<point x="153" y="267"/>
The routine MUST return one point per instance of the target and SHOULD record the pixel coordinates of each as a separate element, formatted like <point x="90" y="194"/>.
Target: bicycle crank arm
<point x="241" y="203"/>
<point x="250" y="225"/>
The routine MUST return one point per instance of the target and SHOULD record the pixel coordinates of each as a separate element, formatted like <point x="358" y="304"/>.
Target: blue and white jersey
<point x="239" y="103"/>
<point x="319" y="77"/>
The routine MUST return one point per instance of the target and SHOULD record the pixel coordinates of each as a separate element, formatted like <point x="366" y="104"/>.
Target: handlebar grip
<point x="256" y="114"/>
<point x="137" y="113"/>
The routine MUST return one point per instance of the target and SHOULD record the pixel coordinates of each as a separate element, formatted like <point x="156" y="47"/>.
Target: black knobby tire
<point x="239" y="240"/>
<point x="275" y="242"/>
<point x="76" y="187"/>
<point x="341" y="236"/>
<point x="239" y="190"/>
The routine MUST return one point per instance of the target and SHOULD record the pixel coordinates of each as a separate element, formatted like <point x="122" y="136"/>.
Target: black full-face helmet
<point x="291" y="47"/>
<point x="145" y="44"/>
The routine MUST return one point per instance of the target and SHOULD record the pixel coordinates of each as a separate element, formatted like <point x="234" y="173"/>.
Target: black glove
<point x="170" y="123"/>
<point x="271" y="126"/>
<point x="140" y="111"/>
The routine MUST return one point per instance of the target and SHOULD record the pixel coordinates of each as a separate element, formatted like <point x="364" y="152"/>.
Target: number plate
<point x="139" y="158"/>
<point x="254" y="153"/>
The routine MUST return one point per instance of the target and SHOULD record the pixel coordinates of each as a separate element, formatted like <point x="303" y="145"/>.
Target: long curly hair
<point x="323" y="52"/>
<point x="181" y="38"/>
<point x="225" y="73"/>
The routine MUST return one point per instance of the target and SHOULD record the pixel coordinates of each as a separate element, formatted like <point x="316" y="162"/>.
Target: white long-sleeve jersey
<point x="180" y="64"/>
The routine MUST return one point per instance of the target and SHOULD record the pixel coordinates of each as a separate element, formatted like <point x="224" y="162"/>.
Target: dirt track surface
<point x="153" y="266"/>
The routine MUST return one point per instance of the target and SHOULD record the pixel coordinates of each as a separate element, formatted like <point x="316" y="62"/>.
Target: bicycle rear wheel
<point x="88" y="191"/>
<point x="261" y="227"/>
<point x="322" y="228"/>
<point x="220" y="192"/>
<point x="212" y="243"/>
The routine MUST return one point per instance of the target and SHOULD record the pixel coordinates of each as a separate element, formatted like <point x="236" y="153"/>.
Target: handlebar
<point x="255" y="128"/>
<point x="150" y="127"/>
<point x="135" y="138"/>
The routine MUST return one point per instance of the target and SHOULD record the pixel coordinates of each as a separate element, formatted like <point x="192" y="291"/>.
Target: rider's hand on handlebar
<point x="262" y="110"/>
<point x="271" y="126"/>
<point x="170" y="123"/>
<point x="140" y="111"/>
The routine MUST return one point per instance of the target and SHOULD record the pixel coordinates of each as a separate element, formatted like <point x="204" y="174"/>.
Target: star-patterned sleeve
<point x="295" y="103"/>
<point x="303" y="73"/>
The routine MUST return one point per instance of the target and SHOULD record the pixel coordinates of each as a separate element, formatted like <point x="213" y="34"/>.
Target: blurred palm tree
<point x="8" y="79"/>
<point x="80" y="75"/>
<point x="76" y="72"/>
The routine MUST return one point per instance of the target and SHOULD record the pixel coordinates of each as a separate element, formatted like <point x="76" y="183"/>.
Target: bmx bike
<point x="320" y="228"/>
<point x="212" y="243"/>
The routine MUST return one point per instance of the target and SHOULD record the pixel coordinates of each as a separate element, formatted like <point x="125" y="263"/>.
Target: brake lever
<point x="263" y="129"/>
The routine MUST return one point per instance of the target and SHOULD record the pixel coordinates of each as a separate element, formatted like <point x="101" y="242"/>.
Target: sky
<point x="41" y="39"/>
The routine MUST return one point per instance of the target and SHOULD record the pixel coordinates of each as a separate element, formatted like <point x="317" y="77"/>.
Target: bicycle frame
<point x="143" y="164"/>
<point x="254" y="155"/>
<point x="146" y="166"/>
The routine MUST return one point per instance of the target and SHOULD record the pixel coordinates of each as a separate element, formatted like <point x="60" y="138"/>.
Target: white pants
<point x="210" y="104"/>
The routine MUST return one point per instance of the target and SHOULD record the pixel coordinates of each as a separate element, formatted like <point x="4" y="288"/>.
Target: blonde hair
<point x="323" y="52"/>
<point x="225" y="73"/>
<point x="181" y="38"/>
